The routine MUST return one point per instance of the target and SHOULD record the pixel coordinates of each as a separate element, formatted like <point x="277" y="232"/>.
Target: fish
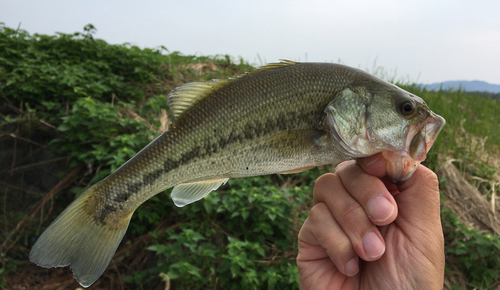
<point x="284" y="117"/>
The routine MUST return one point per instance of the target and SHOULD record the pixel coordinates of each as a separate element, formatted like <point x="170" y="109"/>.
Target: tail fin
<point x="77" y="239"/>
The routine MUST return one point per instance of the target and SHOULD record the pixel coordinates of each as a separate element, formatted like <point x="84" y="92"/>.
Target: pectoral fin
<point x="187" y="193"/>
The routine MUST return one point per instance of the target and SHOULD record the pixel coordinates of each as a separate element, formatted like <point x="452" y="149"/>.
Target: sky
<point x="424" y="41"/>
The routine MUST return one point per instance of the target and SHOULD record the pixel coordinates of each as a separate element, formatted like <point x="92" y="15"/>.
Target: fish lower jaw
<point x="400" y="166"/>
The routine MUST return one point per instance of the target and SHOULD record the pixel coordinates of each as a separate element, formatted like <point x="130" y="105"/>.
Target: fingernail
<point x="373" y="246"/>
<point x="379" y="208"/>
<point x="352" y="267"/>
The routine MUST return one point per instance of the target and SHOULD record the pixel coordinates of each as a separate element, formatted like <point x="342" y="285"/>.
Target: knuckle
<point x="340" y="250"/>
<point x="342" y="245"/>
<point x="351" y="210"/>
<point x="326" y="179"/>
<point x="324" y="186"/>
<point x="316" y="214"/>
<point x="343" y="165"/>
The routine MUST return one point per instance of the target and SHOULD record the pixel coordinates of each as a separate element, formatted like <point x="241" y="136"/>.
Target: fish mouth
<point x="420" y="138"/>
<point x="423" y="140"/>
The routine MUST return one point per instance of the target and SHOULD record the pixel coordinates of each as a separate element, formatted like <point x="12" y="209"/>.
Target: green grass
<point x="478" y="116"/>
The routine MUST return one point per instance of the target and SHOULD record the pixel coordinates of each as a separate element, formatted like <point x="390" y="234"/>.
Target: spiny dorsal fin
<point x="184" y="97"/>
<point x="275" y="65"/>
<point x="187" y="193"/>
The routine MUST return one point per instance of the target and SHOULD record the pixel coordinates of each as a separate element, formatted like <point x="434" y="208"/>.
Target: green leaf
<point x="261" y="252"/>
<point x="483" y="251"/>
<point x="64" y="127"/>
<point x="244" y="214"/>
<point x="208" y="206"/>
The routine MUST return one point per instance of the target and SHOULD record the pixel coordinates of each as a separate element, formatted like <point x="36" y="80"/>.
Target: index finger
<point x="374" y="165"/>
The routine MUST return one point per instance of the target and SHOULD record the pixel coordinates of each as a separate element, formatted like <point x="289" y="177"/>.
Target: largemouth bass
<point x="281" y="118"/>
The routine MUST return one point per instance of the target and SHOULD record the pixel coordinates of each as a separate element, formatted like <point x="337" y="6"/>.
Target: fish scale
<point x="282" y="118"/>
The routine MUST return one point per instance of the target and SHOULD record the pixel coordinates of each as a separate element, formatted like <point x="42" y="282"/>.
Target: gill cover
<point x="346" y="122"/>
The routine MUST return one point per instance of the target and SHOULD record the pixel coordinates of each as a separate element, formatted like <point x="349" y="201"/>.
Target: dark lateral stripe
<point x="282" y="123"/>
<point x="108" y="208"/>
<point x="149" y="178"/>
<point x="250" y="131"/>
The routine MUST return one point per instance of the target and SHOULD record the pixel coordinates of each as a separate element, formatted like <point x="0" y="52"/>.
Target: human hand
<point x="364" y="232"/>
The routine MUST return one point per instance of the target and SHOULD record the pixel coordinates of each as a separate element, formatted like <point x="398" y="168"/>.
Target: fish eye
<point x="406" y="107"/>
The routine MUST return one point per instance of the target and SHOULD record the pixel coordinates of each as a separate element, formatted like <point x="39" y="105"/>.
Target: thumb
<point x="419" y="215"/>
<point x="419" y="196"/>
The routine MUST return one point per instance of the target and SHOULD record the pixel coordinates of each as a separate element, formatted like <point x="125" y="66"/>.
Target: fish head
<point x="381" y="117"/>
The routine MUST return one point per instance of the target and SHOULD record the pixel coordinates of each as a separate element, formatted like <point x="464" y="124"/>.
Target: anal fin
<point x="298" y="170"/>
<point x="187" y="193"/>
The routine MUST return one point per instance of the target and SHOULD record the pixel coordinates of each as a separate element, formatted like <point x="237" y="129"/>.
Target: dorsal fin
<point x="275" y="65"/>
<point x="184" y="97"/>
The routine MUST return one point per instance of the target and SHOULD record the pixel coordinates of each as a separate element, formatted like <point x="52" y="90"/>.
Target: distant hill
<point x="470" y="86"/>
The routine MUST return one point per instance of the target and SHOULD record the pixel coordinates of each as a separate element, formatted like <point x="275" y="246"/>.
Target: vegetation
<point x="74" y="108"/>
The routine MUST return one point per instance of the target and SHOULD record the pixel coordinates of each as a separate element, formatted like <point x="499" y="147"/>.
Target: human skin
<point x="364" y="232"/>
